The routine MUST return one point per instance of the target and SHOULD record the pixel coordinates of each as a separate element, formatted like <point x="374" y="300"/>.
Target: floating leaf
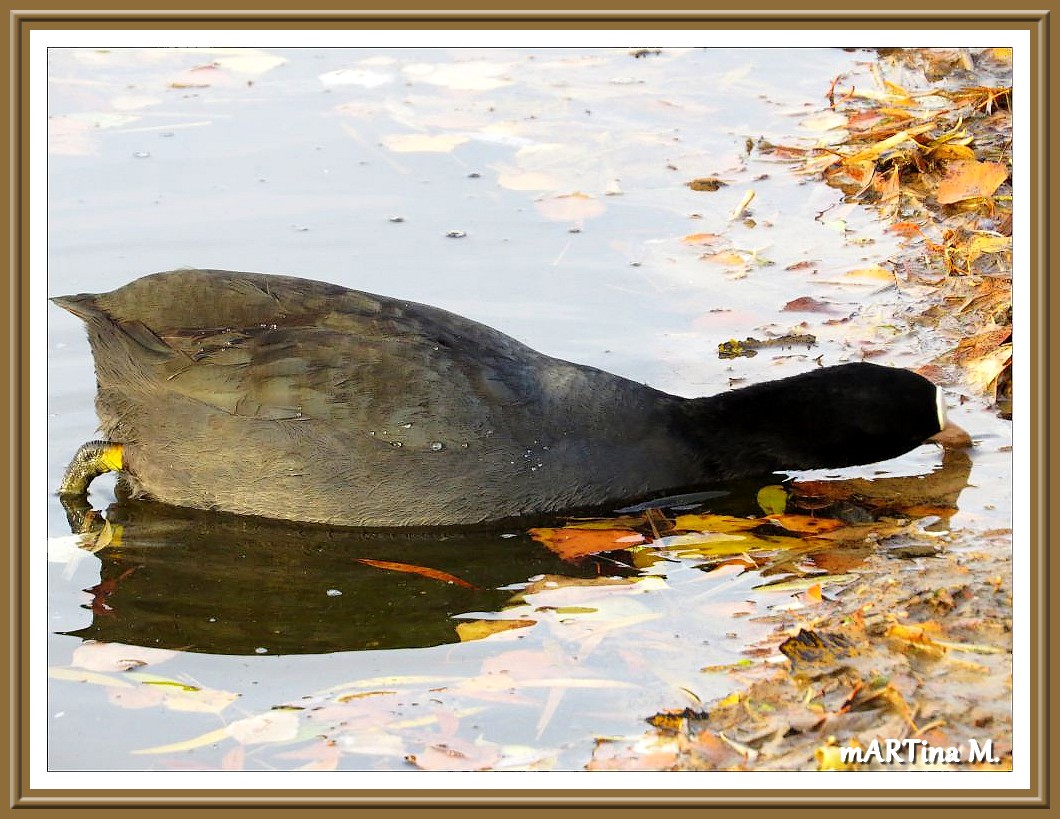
<point x="702" y="238"/>
<point x="772" y="500"/>
<point x="209" y="738"/>
<point x="457" y="755"/>
<point x="729" y="258"/>
<point x="469" y="630"/>
<point x="97" y="656"/>
<point x="570" y="207"/>
<point x="202" y="76"/>
<point x="706" y="183"/>
<point x="272" y="726"/>
<point x="178" y="696"/>
<point x="474" y="75"/>
<point x="82" y="676"/>
<point x="970" y="179"/>
<point x="715" y="523"/>
<point x="869" y="275"/>
<point x="249" y="61"/>
<point x="824" y="121"/>
<point x="519" y="180"/>
<point x="805" y="524"/>
<point x="433" y="574"/>
<point x="808" y="304"/>
<point x="359" y="77"/>
<point x="423" y="143"/>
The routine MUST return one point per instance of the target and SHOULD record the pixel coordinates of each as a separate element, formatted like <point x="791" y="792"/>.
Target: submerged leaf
<point x="571" y="543"/>
<point x="425" y="571"/>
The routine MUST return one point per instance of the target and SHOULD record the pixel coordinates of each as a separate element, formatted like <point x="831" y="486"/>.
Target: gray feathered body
<point x="289" y="398"/>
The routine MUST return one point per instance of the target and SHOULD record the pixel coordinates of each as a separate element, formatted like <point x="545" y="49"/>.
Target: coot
<point x="295" y="399"/>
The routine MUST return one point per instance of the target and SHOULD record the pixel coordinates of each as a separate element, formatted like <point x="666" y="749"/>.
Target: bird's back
<point x="286" y="397"/>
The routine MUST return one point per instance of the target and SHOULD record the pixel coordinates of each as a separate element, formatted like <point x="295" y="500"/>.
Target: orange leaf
<point x="967" y="179"/>
<point x="572" y="543"/>
<point x="701" y="238"/>
<point x="905" y="229"/>
<point x="434" y="574"/>
<point x="726" y="257"/>
<point x="805" y="524"/>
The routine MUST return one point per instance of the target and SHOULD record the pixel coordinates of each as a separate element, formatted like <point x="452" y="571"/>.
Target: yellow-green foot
<point x="91" y="461"/>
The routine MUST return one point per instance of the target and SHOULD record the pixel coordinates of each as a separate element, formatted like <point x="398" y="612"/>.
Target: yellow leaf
<point x="715" y="523"/>
<point x="713" y="544"/>
<point x="469" y="630"/>
<point x="729" y="258"/>
<point x="874" y="151"/>
<point x="701" y="238"/>
<point x="872" y="274"/>
<point x="772" y="500"/>
<point x="948" y="152"/>
<point x="982" y="243"/>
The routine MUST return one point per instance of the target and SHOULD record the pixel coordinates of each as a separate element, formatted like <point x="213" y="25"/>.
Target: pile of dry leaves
<point x="916" y="651"/>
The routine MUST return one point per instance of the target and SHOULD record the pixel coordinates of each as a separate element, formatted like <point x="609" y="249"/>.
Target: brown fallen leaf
<point x="706" y="183"/>
<point x="808" y="304"/>
<point x="426" y="571"/>
<point x="454" y="754"/>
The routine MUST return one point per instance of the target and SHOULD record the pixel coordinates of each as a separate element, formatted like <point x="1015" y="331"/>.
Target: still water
<point x="543" y="192"/>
